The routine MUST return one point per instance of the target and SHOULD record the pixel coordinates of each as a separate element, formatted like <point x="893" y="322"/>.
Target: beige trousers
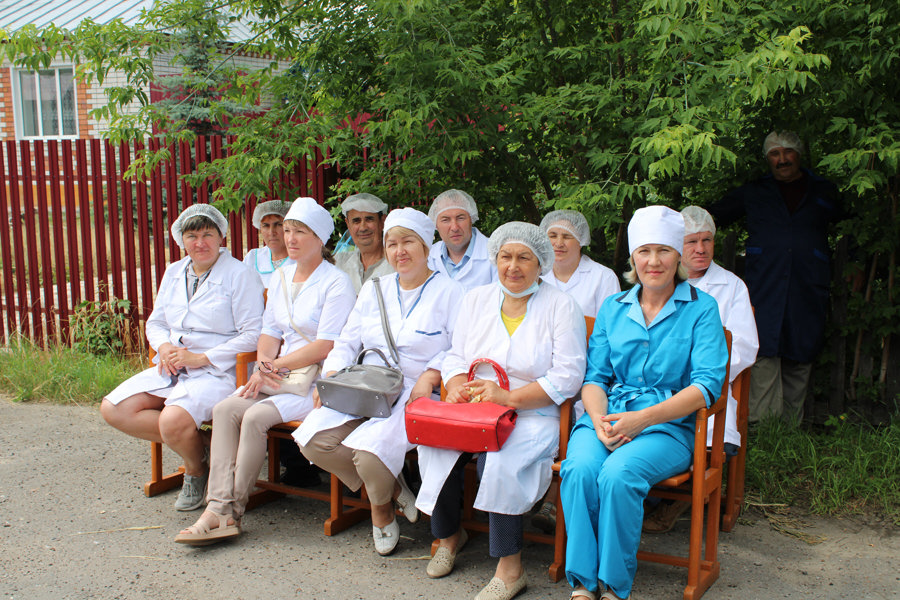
<point x="778" y="387"/>
<point x="237" y="451"/>
<point x="354" y="467"/>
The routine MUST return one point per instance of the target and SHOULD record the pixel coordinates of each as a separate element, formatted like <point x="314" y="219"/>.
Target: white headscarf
<point x="313" y="215"/>
<point x="413" y="220"/>
<point x="656" y="225"/>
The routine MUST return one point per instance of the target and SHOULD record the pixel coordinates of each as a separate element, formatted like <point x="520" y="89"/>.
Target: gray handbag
<point x="365" y="390"/>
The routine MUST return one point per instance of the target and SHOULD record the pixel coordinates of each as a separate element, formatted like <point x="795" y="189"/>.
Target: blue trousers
<point x="602" y="495"/>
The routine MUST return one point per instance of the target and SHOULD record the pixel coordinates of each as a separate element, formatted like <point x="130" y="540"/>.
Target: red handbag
<point x="469" y="427"/>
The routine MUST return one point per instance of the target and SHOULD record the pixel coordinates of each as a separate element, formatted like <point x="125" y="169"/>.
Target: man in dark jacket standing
<point x="787" y="271"/>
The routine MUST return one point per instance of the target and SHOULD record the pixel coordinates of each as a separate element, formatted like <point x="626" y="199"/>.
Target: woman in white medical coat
<point x="208" y="309"/>
<point x="268" y="218"/>
<point x="421" y="306"/>
<point x="308" y="304"/>
<point x="589" y="282"/>
<point x="537" y="334"/>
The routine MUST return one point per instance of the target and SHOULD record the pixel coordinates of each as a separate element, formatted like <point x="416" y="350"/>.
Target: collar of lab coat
<point x="715" y="275"/>
<point x="684" y="292"/>
<point x="216" y="273"/>
<point x="316" y="275"/>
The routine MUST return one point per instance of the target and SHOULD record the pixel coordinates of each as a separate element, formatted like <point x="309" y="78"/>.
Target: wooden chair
<point x="160" y="483"/>
<point x="469" y="521"/>
<point x="733" y="501"/>
<point x="701" y="485"/>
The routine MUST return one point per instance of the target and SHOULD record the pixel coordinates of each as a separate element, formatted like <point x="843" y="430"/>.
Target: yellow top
<point x="511" y="323"/>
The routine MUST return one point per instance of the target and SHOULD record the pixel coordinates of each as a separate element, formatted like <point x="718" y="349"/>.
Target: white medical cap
<point x="203" y="210"/>
<point x="412" y="219"/>
<point x="783" y="139"/>
<point x="696" y="219"/>
<point x="656" y="225"/>
<point x="451" y="199"/>
<point x="363" y="203"/>
<point x="272" y="207"/>
<point x="570" y="220"/>
<point x="313" y="215"/>
<point x="532" y="236"/>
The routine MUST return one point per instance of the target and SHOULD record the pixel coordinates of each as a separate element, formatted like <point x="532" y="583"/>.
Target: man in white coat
<point x="462" y="253"/>
<point x="737" y="316"/>
<point x="364" y="216"/>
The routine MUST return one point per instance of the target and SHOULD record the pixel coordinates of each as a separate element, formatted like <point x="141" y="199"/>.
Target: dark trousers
<point x="505" y="531"/>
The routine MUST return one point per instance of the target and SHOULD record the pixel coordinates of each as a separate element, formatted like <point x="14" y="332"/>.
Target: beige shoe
<point x="497" y="590"/>
<point x="441" y="564"/>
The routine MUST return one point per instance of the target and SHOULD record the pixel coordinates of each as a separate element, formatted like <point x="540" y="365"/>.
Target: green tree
<point x="532" y="104"/>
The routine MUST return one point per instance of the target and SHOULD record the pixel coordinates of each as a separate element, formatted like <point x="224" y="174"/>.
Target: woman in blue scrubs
<point x="656" y="355"/>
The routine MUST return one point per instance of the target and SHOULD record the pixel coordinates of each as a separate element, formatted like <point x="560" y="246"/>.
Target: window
<point x="47" y="103"/>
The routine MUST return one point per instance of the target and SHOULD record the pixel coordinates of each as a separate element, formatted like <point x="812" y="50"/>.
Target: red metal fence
<point x="79" y="230"/>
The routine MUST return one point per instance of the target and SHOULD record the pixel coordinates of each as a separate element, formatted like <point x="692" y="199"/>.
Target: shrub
<point x="100" y="327"/>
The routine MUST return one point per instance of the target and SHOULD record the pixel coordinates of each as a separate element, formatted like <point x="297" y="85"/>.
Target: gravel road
<point x="74" y="524"/>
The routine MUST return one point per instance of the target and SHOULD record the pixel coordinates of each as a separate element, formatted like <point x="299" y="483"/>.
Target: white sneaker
<point x="193" y="493"/>
<point x="386" y="537"/>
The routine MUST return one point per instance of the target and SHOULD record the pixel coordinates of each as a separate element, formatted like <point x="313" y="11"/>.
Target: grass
<point x="845" y="468"/>
<point x="61" y="374"/>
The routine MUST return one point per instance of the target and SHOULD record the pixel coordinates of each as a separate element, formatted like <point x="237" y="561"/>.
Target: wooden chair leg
<point x="159" y="483"/>
<point x="340" y="518"/>
<point x="557" y="568"/>
<point x="734" y="491"/>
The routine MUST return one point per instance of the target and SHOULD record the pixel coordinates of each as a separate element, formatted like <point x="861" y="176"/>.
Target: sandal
<point x="199" y="534"/>
<point x="610" y="595"/>
<point x="584" y="593"/>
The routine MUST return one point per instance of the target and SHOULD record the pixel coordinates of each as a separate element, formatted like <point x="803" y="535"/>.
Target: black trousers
<point x="505" y="531"/>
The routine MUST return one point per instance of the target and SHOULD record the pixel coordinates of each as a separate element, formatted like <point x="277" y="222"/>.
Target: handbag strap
<point x="384" y="321"/>
<point x="502" y="377"/>
<point x="289" y="305"/>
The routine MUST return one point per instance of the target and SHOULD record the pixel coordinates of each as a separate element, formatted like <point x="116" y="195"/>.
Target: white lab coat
<point x="222" y="319"/>
<point x="260" y="261"/>
<point x="477" y="271"/>
<point x="549" y="347"/>
<point x="737" y="316"/>
<point x="590" y="285"/>
<point x="422" y="336"/>
<point x="320" y="311"/>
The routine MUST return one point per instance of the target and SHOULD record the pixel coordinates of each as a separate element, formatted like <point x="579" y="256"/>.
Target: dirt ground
<point x="74" y="524"/>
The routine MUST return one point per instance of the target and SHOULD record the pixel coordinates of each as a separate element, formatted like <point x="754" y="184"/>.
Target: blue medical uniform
<point x="637" y="366"/>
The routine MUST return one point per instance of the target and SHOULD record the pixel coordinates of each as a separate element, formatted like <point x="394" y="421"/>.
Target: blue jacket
<point x="787" y="269"/>
<point x="639" y="366"/>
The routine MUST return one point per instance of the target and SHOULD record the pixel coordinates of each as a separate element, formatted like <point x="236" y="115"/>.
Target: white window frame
<point x="17" y="103"/>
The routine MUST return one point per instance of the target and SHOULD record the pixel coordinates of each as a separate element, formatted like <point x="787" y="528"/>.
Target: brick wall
<point x="92" y="96"/>
<point x="7" y="124"/>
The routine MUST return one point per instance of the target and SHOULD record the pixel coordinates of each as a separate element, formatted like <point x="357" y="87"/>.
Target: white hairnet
<point x="272" y="207"/>
<point x="570" y="220"/>
<point x="205" y="210"/>
<point x="451" y="199"/>
<point x="412" y="219"/>
<point x="696" y="219"/>
<point x="363" y="203"/>
<point x="517" y="232"/>
<point x="783" y="139"/>
<point x="656" y="225"/>
<point x="313" y="215"/>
